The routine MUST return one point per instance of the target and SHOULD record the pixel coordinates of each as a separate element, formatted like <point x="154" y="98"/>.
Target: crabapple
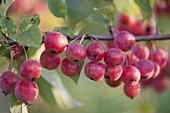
<point x="55" y="42"/>
<point x="124" y="40"/>
<point x="31" y="70"/>
<point x="131" y="75"/>
<point x="76" y="53"/>
<point x="113" y="83"/>
<point x="95" y="52"/>
<point x="113" y="72"/>
<point x="8" y="81"/>
<point x="132" y="90"/>
<point x="95" y="70"/>
<point x="26" y="91"/>
<point x="49" y="60"/>
<point x="69" y="68"/>
<point x="113" y="56"/>
<point x="146" y="68"/>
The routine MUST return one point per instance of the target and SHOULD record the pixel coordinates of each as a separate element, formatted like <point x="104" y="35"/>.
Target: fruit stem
<point x="25" y="52"/>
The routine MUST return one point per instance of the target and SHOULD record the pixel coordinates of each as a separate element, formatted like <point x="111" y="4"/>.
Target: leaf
<point x="45" y="90"/>
<point x="56" y="92"/>
<point x="57" y="7"/>
<point x="77" y="76"/>
<point x="79" y="26"/>
<point x="107" y="10"/>
<point x="67" y="31"/>
<point x="28" y="21"/>
<point x="17" y="106"/>
<point x="99" y="19"/>
<point x="4" y="5"/>
<point x="8" y="26"/>
<point x="146" y="7"/>
<point x="31" y="37"/>
<point x="5" y="50"/>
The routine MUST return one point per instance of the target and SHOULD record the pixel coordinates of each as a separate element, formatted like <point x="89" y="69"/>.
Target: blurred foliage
<point x="97" y="97"/>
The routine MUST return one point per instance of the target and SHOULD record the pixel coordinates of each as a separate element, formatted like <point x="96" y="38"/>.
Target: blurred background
<point x="96" y="97"/>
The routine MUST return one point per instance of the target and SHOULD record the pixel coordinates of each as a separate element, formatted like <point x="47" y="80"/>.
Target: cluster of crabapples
<point x="123" y="63"/>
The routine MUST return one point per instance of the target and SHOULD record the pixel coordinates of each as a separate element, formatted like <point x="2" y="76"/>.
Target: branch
<point x="89" y="36"/>
<point x="138" y="38"/>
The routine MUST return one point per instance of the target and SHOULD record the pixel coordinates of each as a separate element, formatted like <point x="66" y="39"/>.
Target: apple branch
<point x="10" y="41"/>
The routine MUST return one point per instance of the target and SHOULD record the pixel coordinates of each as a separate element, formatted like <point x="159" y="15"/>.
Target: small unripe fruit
<point x="31" y="70"/>
<point x="69" y="68"/>
<point x="95" y="52"/>
<point x="113" y="72"/>
<point x="49" y="60"/>
<point x="26" y="91"/>
<point x="113" y="83"/>
<point x="131" y="75"/>
<point x="95" y="70"/>
<point x="8" y="81"/>
<point x="132" y="90"/>
<point x="146" y="68"/>
<point x="76" y="53"/>
<point x="55" y="42"/>
<point x="113" y="56"/>
<point x="124" y="40"/>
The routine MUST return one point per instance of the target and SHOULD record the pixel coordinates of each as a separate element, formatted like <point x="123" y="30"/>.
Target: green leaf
<point x="67" y="31"/>
<point x="4" y="50"/>
<point x="31" y="37"/>
<point x="99" y="19"/>
<point x="8" y="26"/>
<point x="77" y="76"/>
<point x="17" y="106"/>
<point x="146" y="7"/>
<point x="45" y="90"/>
<point x="54" y="91"/>
<point x="4" y="5"/>
<point x="107" y="10"/>
<point x="57" y="7"/>
<point x="79" y="26"/>
<point x="28" y="21"/>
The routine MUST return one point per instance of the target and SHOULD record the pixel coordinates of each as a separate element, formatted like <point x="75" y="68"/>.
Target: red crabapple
<point x="124" y="40"/>
<point x="132" y="90"/>
<point x="131" y="75"/>
<point x="113" y="72"/>
<point x="113" y="56"/>
<point x="49" y="60"/>
<point x="138" y="29"/>
<point x="160" y="84"/>
<point x="95" y="52"/>
<point x="76" y="53"/>
<point x="95" y="70"/>
<point x="146" y="68"/>
<point x="160" y="56"/>
<point x="26" y="91"/>
<point x="69" y="68"/>
<point x="113" y="83"/>
<point x="126" y="20"/>
<point x="150" y="30"/>
<point x="17" y="49"/>
<point x="156" y="70"/>
<point x="8" y="81"/>
<point x="55" y="42"/>
<point x="31" y="70"/>
<point x="142" y="52"/>
<point x="130" y="59"/>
